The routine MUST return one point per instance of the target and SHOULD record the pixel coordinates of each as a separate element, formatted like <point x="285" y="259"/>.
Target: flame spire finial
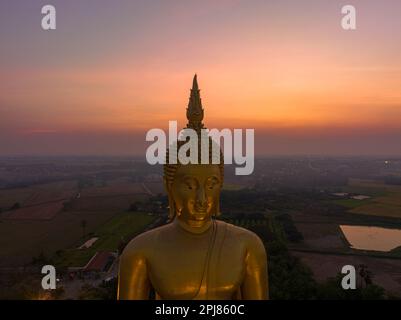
<point x="195" y="111"/>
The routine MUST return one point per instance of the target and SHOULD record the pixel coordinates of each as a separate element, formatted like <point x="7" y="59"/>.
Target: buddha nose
<point x="201" y="196"/>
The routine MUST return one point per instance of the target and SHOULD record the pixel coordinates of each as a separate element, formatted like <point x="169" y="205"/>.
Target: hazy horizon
<point x="113" y="70"/>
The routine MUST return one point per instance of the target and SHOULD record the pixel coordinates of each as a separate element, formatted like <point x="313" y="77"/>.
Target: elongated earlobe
<point x="171" y="212"/>
<point x="216" y="210"/>
<point x="217" y="213"/>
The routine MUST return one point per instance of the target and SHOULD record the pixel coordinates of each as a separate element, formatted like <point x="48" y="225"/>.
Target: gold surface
<point x="194" y="256"/>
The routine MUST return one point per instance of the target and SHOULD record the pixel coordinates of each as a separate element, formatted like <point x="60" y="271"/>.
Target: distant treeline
<point x="393" y="180"/>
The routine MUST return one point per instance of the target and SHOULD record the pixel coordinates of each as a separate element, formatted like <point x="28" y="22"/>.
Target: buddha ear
<point x="165" y="183"/>
<point x="171" y="210"/>
<point x="171" y="206"/>
<point x="217" y="213"/>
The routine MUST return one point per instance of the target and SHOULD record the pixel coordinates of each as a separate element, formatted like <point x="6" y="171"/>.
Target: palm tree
<point x="365" y="274"/>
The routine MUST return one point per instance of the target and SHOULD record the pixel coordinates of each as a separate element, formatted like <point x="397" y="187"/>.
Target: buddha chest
<point x="191" y="266"/>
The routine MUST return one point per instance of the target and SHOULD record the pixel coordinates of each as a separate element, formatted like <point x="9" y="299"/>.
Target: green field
<point x="350" y="203"/>
<point x="385" y="201"/>
<point x="21" y="240"/>
<point x="379" y="209"/>
<point x="26" y="239"/>
<point x="120" y="228"/>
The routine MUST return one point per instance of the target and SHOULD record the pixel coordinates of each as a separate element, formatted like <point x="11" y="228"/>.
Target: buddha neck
<point x="193" y="228"/>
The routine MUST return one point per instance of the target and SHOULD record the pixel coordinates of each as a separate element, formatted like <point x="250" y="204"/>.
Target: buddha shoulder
<point x="249" y="238"/>
<point x="144" y="243"/>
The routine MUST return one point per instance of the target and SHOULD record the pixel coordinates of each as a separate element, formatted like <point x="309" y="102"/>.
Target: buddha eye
<point x="190" y="184"/>
<point x="212" y="182"/>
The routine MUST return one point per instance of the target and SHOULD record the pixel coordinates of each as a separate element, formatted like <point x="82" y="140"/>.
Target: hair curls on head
<point x="215" y="157"/>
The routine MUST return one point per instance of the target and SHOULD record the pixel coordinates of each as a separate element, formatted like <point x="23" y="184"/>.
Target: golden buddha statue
<point x="194" y="256"/>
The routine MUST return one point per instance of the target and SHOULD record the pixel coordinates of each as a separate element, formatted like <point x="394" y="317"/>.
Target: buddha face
<point x="196" y="192"/>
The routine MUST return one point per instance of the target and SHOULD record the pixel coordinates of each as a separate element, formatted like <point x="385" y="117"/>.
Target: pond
<point x="372" y="238"/>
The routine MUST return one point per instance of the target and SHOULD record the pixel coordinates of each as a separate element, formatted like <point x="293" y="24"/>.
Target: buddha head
<point x="194" y="189"/>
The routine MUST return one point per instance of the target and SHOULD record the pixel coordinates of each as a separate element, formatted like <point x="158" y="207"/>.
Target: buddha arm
<point x="255" y="284"/>
<point x="133" y="281"/>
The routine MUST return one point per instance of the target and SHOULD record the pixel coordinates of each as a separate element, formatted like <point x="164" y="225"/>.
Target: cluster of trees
<point x="291" y="280"/>
<point x="263" y="232"/>
<point x="262" y="200"/>
<point x="155" y="204"/>
<point x="331" y="289"/>
<point x="288" y="278"/>
<point x="41" y="259"/>
<point x="106" y="291"/>
<point x="289" y="228"/>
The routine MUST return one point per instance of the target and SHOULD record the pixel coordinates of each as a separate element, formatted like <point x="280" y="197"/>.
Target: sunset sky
<point x="114" y="69"/>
